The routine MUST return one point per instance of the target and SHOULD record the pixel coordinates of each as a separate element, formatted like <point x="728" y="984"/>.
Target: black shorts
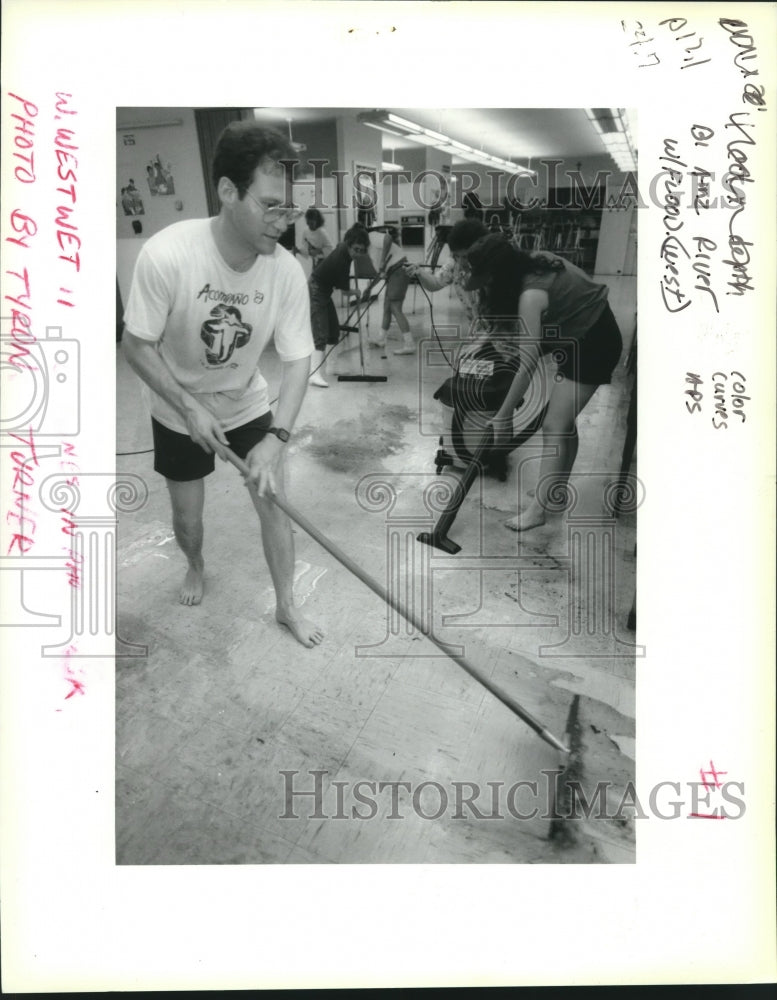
<point x="592" y="360"/>
<point x="177" y="457"/>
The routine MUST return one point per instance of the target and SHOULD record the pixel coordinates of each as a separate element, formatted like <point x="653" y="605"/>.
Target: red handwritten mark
<point x="74" y="563"/>
<point x="709" y="786"/>
<point x="24" y="134"/>
<point x="24" y="225"/>
<point x="68" y="240"/>
<point x="75" y="559"/>
<point x="76" y="686"/>
<point x="21" y="323"/>
<point x="715" y="774"/>
<point x="22" y="481"/>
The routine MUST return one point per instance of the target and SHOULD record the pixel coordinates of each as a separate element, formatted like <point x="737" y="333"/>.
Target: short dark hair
<point x="357" y="234"/>
<point x="313" y="215"/>
<point x="464" y="234"/>
<point x="241" y="147"/>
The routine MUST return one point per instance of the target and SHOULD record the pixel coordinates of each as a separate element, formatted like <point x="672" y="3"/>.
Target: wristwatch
<point x="280" y="432"/>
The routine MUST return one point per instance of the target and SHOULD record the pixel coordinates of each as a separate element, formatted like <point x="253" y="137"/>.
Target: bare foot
<point x="532" y="517"/>
<point x="302" y="629"/>
<point x="193" y="586"/>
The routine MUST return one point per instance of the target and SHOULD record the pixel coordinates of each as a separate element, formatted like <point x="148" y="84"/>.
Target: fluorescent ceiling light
<point x="386" y="121"/>
<point x="604" y="120"/>
<point x="385" y="128"/>
<point x="404" y="123"/>
<point x="457" y="148"/>
<point x="391" y="167"/>
<point x="612" y="126"/>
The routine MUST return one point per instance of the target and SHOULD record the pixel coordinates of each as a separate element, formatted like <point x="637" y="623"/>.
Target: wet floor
<point x="236" y="745"/>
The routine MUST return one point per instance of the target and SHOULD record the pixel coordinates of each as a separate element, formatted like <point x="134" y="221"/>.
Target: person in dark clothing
<point x="473" y="207"/>
<point x="536" y="304"/>
<point x="332" y="272"/>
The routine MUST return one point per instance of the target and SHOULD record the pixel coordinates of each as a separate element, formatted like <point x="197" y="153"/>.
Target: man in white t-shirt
<point x="207" y="295"/>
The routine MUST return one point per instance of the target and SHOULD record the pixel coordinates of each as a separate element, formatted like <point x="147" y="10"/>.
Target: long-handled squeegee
<point x="397" y="605"/>
<point x="366" y="299"/>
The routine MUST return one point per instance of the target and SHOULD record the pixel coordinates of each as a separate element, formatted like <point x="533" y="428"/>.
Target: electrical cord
<point x="450" y="364"/>
<point x="344" y="334"/>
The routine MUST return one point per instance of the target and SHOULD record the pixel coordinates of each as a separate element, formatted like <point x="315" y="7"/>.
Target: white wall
<point x="176" y="145"/>
<point x="617" y="249"/>
<point x="357" y="144"/>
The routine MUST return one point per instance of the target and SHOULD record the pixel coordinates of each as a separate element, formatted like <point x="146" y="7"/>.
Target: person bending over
<point x="333" y="272"/>
<point x="207" y="296"/>
<point x="539" y="303"/>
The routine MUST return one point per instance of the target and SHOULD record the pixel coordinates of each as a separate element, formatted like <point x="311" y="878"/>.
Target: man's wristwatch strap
<point x="280" y="432"/>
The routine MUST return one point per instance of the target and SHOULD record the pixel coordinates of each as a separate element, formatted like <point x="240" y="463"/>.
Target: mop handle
<point x="397" y="605"/>
<point x="360" y="301"/>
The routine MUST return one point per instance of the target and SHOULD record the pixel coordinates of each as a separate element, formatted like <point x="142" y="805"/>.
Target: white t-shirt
<point x="315" y="243"/>
<point x="212" y="323"/>
<point x="451" y="273"/>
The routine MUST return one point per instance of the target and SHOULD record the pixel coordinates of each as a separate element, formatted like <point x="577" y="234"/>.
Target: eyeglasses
<point x="274" y="213"/>
<point x="359" y="249"/>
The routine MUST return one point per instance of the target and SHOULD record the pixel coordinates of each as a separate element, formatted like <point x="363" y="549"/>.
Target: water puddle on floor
<point x="158" y="534"/>
<point x="306" y="577"/>
<point x="357" y="445"/>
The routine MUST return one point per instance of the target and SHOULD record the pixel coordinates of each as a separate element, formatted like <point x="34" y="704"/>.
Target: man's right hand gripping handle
<point x="204" y="429"/>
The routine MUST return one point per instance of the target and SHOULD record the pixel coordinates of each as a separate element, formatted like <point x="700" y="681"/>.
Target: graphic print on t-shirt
<point x="223" y="334"/>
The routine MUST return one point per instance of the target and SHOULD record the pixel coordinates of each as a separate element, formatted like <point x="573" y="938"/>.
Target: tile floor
<point x="222" y="718"/>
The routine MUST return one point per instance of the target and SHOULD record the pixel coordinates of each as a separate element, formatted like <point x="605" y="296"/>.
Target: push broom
<point x="397" y="605"/>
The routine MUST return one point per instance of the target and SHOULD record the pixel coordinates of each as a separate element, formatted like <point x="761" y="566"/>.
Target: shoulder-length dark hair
<point x="499" y="297"/>
<point x="313" y="215"/>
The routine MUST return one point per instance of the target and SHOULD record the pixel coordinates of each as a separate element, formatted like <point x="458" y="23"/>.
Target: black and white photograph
<point x="388" y="599"/>
<point x="447" y="674"/>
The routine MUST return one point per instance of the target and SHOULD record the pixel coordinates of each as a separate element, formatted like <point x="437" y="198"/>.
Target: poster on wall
<point x="160" y="177"/>
<point x="131" y="201"/>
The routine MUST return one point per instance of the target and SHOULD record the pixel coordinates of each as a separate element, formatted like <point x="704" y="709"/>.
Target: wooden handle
<point x="397" y="605"/>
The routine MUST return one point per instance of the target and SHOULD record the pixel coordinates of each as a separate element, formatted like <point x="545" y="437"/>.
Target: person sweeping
<point x="207" y="296"/>
<point x="332" y="272"/>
